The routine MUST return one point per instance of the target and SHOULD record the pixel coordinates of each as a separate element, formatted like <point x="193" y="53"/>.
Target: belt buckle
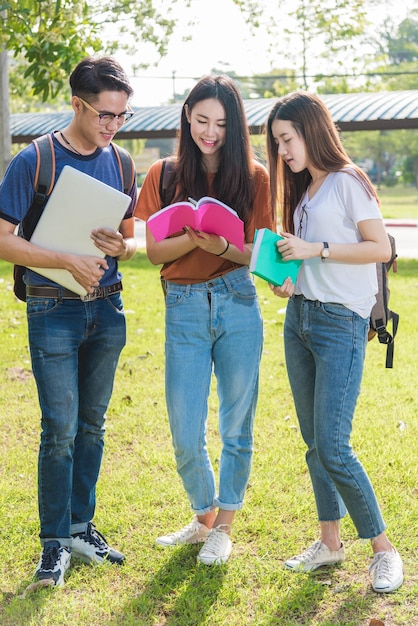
<point x="92" y="296"/>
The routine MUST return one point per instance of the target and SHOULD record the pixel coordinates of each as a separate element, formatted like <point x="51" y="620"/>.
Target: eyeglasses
<point x="303" y="215"/>
<point x="107" y="118"/>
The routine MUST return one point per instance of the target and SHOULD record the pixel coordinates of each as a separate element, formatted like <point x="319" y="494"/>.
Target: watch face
<point x="325" y="253"/>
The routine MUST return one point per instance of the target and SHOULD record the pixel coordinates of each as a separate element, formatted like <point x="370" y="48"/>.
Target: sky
<point x="220" y="39"/>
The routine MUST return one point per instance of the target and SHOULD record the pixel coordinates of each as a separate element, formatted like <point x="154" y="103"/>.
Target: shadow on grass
<point x="181" y="592"/>
<point x="326" y="597"/>
<point x="28" y="604"/>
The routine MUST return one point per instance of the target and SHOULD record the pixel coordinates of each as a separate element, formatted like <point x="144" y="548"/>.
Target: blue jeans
<point x="75" y="347"/>
<point x="325" y="348"/>
<point x="213" y="324"/>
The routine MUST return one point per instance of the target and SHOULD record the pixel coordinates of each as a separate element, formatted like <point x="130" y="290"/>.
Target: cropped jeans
<point x="325" y="349"/>
<point x="75" y="347"/>
<point x="215" y="324"/>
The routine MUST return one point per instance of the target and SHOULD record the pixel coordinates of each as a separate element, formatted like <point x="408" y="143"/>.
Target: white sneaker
<point x="216" y="549"/>
<point x="54" y="562"/>
<point x="317" y="555"/>
<point x="91" y="547"/>
<point x="387" y="571"/>
<point x="195" y="532"/>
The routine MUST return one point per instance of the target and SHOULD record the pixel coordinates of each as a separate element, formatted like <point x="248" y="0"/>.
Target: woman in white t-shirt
<point x="331" y="219"/>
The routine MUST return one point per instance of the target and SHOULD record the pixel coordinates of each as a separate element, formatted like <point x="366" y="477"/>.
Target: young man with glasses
<point x="75" y="343"/>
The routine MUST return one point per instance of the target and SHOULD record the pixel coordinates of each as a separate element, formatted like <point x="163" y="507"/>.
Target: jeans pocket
<point x="116" y="302"/>
<point x="38" y="306"/>
<point x="337" y="311"/>
<point x="244" y="289"/>
<point x="174" y="298"/>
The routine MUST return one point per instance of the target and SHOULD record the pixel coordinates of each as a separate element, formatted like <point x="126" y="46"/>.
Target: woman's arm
<point x="374" y="248"/>
<point x="173" y="248"/>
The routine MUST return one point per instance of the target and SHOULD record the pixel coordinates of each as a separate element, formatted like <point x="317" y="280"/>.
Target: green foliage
<point x="51" y="37"/>
<point x="48" y="37"/>
<point x="389" y="150"/>
<point x="299" y="29"/>
<point x="140" y="495"/>
<point x="403" y="45"/>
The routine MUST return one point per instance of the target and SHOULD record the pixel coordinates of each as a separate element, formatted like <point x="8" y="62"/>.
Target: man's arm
<point x="87" y="270"/>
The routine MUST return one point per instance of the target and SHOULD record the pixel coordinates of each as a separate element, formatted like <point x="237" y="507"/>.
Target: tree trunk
<point x="5" y="138"/>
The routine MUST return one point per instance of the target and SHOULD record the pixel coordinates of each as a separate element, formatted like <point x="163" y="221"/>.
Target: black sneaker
<point x="91" y="547"/>
<point x="54" y="561"/>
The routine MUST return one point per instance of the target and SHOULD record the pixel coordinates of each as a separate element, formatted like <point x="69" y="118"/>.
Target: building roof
<point x="384" y="110"/>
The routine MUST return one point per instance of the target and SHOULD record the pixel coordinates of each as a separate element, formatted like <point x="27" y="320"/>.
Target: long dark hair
<point x="234" y="180"/>
<point x="313" y="122"/>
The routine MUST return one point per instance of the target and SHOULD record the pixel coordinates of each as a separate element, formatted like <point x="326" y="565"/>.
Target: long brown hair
<point x="313" y="122"/>
<point x="234" y="180"/>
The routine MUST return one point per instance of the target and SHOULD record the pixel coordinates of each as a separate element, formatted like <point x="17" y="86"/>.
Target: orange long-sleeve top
<point x="198" y="265"/>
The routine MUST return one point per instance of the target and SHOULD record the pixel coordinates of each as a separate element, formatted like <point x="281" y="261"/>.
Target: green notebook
<point x="266" y="261"/>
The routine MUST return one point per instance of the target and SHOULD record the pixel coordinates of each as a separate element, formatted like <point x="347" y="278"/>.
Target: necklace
<point x="68" y="143"/>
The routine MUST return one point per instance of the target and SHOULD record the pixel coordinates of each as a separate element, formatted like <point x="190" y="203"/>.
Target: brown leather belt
<point x="35" y="291"/>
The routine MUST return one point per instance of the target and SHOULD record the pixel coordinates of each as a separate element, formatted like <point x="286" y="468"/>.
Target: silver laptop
<point x="78" y="204"/>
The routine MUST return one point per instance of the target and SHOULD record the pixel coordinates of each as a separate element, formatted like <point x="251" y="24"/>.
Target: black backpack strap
<point x="386" y="338"/>
<point x="127" y="167"/>
<point x="43" y="183"/>
<point x="167" y="171"/>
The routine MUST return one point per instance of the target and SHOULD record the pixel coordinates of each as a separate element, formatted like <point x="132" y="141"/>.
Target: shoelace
<point x="50" y="556"/>
<point x="309" y="552"/>
<point x="214" y="540"/>
<point x="192" y="528"/>
<point x="381" y="564"/>
<point x="93" y="536"/>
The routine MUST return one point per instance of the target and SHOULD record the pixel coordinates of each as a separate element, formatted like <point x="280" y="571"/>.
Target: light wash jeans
<point x="325" y="349"/>
<point x="75" y="347"/>
<point x="214" y="324"/>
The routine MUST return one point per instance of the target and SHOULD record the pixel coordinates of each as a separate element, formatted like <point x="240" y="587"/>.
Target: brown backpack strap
<point x="45" y="167"/>
<point x="126" y="166"/>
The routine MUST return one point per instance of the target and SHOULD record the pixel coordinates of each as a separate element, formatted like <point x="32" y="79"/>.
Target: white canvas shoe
<point x="195" y="532"/>
<point x="216" y="549"/>
<point x="386" y="571"/>
<point x="317" y="555"/>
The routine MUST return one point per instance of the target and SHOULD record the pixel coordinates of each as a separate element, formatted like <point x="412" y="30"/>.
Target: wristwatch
<point x="325" y="251"/>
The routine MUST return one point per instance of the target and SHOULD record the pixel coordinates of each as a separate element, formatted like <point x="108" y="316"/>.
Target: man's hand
<point x="110" y="242"/>
<point x="87" y="270"/>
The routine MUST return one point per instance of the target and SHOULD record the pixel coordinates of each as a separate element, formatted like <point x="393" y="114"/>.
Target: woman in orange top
<point x="212" y="313"/>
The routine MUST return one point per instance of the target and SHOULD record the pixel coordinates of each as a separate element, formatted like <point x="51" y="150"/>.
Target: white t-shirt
<point x="332" y="215"/>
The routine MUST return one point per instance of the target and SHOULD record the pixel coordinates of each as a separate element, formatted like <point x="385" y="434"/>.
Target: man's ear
<point x="76" y="104"/>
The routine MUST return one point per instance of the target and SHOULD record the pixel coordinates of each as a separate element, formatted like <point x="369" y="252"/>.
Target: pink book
<point x="207" y="215"/>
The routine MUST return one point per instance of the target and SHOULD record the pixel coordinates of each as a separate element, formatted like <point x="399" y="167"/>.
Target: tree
<point x="397" y="54"/>
<point x="300" y="29"/>
<point x="46" y="38"/>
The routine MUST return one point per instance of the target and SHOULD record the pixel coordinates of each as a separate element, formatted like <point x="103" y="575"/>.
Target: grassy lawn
<point x="399" y="202"/>
<point x="140" y="495"/>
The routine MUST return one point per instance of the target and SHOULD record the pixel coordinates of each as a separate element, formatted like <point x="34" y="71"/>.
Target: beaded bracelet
<point x="226" y="249"/>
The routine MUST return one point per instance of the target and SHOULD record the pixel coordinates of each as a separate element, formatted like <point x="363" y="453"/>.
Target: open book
<point x="266" y="260"/>
<point x="207" y="215"/>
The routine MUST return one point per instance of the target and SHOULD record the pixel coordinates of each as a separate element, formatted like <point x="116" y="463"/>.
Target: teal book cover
<point x="266" y="261"/>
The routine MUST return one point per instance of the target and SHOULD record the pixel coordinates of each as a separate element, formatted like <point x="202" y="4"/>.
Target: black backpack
<point x="43" y="185"/>
<point x="167" y="172"/>
<point x="381" y="313"/>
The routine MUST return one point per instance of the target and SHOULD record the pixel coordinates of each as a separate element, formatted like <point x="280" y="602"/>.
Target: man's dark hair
<point x="92" y="76"/>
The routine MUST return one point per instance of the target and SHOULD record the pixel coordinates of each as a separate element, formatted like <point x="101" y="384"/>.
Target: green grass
<point x="140" y="495"/>
<point x="399" y="202"/>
